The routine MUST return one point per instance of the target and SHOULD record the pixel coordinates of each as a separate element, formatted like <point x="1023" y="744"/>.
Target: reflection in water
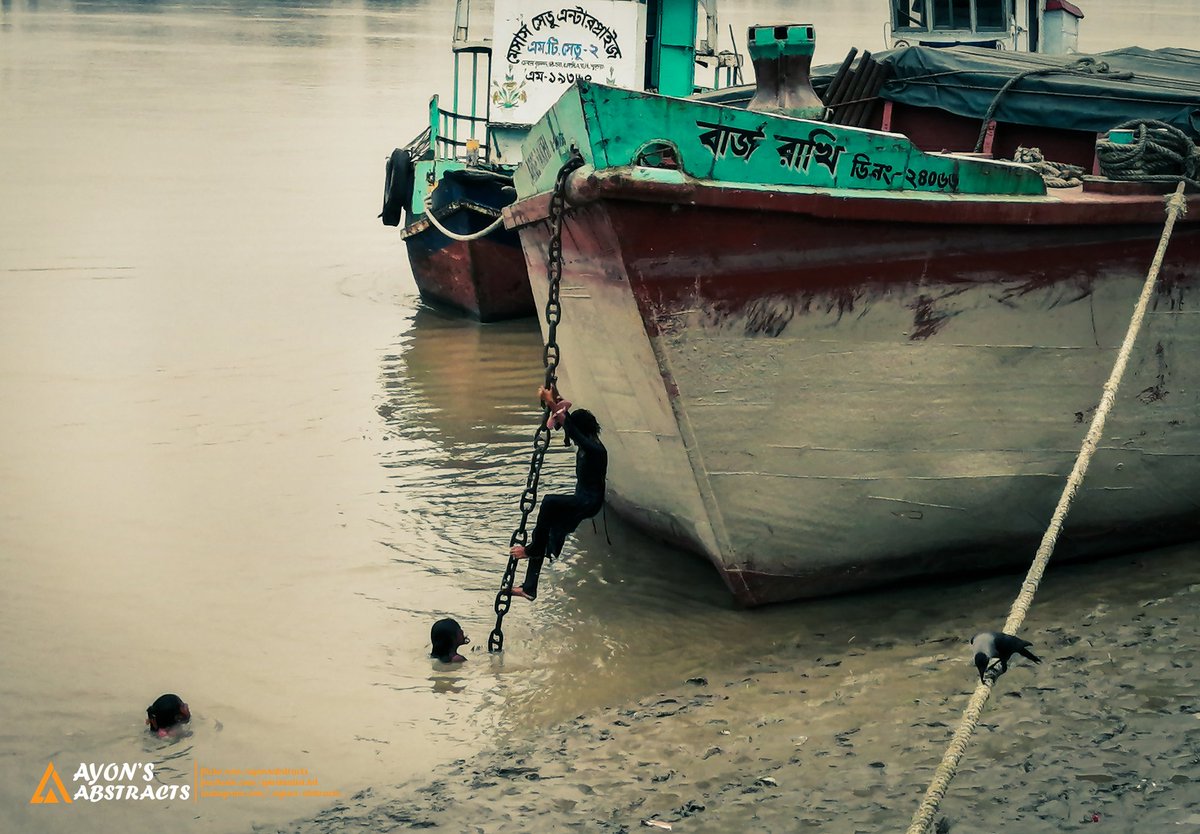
<point x="460" y="414"/>
<point x="464" y="378"/>
<point x="443" y="685"/>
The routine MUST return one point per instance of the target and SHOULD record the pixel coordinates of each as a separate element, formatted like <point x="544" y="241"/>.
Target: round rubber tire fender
<point x="397" y="187"/>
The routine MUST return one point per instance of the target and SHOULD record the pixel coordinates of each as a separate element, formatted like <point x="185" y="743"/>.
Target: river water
<point x="239" y="461"/>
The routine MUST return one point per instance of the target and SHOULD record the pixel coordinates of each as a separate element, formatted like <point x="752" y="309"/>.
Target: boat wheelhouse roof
<point x="1161" y="84"/>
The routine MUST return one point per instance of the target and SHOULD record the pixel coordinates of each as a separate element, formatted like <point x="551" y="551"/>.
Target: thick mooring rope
<point x="1176" y="205"/>
<point x="493" y="226"/>
<point x="1083" y="66"/>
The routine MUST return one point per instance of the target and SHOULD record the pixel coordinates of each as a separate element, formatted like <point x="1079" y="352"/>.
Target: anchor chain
<point x="550" y="359"/>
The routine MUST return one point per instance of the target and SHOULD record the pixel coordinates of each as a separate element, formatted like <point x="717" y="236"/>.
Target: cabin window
<point x="909" y="14"/>
<point x="952" y="14"/>
<point x="991" y="15"/>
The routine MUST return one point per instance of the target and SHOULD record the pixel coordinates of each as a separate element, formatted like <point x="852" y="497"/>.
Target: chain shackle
<point x="550" y="358"/>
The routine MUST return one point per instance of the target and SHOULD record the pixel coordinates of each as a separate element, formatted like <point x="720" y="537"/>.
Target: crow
<point x="989" y="645"/>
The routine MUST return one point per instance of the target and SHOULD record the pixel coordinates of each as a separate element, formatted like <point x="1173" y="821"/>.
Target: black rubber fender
<point x="397" y="187"/>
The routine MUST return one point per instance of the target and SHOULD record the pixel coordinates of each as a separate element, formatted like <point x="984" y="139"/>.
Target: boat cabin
<point x="450" y="184"/>
<point x="1047" y="26"/>
<point x="505" y="81"/>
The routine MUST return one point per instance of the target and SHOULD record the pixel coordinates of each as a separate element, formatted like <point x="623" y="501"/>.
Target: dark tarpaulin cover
<point x="964" y="80"/>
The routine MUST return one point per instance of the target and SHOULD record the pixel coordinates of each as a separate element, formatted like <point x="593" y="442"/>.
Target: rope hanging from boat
<point x="493" y="226"/>
<point x="550" y="359"/>
<point x="1176" y="206"/>
<point x="1160" y="152"/>
<point x="1082" y="66"/>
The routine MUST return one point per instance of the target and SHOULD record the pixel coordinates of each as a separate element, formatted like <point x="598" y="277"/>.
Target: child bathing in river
<point x="167" y="715"/>
<point x="447" y="636"/>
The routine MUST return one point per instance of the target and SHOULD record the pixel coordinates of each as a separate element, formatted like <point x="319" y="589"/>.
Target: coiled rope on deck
<point x="1159" y="152"/>
<point x="1054" y="174"/>
<point x="1176" y="205"/>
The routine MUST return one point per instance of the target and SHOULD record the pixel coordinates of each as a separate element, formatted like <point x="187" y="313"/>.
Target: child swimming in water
<point x="447" y="635"/>
<point x="167" y="714"/>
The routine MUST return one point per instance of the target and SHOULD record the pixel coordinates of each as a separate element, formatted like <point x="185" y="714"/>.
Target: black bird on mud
<point x="996" y="645"/>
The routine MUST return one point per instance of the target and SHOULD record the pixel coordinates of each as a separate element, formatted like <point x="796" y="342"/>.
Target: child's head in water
<point x="446" y="636"/>
<point x="167" y="713"/>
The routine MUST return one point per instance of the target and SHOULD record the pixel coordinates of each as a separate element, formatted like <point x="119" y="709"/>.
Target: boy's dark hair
<point x="443" y="636"/>
<point x="167" y="711"/>
<point x="585" y="421"/>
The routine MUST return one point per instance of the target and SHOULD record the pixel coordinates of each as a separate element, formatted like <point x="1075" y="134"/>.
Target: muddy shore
<point x="1104" y="735"/>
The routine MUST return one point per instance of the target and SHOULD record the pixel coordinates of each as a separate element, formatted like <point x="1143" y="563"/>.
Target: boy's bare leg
<point x="532" y="570"/>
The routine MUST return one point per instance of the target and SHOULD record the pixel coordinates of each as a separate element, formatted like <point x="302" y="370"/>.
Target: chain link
<point x="550" y="358"/>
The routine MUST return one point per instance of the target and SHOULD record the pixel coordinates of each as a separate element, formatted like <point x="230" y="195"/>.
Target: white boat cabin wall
<point x="1046" y="26"/>
<point x="542" y="46"/>
<point x="508" y="75"/>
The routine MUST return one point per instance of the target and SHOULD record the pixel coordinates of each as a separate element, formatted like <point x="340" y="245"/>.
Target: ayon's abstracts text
<point x="93" y="790"/>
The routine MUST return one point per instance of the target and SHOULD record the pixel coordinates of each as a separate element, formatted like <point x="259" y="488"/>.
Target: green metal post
<point x="474" y="89"/>
<point x="487" y="111"/>
<point x="673" y="62"/>
<point x="434" y="132"/>
<point x="454" y="108"/>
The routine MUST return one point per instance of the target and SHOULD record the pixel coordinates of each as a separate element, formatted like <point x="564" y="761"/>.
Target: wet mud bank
<point x="1105" y="732"/>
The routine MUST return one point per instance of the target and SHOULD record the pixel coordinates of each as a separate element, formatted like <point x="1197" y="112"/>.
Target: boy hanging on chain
<point x="561" y="514"/>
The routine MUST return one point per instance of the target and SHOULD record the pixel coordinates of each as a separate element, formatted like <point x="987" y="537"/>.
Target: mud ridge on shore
<point x="1106" y="729"/>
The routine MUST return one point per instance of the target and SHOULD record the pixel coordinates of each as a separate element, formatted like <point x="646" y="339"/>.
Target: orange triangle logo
<point x="44" y="795"/>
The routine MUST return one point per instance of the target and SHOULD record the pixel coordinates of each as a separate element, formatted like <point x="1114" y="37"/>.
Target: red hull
<point x="484" y="279"/>
<point x="736" y="245"/>
<point x="820" y="354"/>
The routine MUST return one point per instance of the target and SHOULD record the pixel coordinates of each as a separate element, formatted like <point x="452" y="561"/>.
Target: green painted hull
<point x="614" y="128"/>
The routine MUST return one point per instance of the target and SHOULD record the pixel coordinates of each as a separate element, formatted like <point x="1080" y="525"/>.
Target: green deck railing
<point x="445" y="128"/>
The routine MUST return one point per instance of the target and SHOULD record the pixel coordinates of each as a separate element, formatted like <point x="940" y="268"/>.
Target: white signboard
<point x="541" y="46"/>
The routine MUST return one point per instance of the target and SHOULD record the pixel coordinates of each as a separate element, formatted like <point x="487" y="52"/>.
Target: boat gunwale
<point x="1068" y="206"/>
